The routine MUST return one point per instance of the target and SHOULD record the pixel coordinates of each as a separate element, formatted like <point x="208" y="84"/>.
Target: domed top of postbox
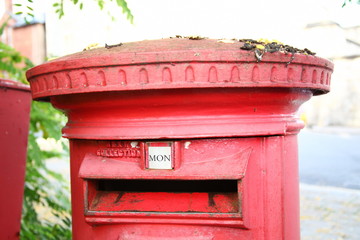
<point x="178" y="63"/>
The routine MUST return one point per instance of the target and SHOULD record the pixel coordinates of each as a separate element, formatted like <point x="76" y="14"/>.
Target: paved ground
<point x="329" y="213"/>
<point x="330" y="188"/>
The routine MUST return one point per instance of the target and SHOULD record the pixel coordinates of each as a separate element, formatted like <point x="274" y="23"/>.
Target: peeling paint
<point x="134" y="144"/>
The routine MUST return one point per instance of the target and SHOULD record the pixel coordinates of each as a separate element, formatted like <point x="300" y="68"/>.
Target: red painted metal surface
<point x="14" y="125"/>
<point x="220" y="127"/>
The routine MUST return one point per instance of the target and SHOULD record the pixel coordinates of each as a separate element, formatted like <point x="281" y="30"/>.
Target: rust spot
<point x="96" y="200"/>
<point x="119" y="197"/>
<point x="136" y="200"/>
<point x="211" y="199"/>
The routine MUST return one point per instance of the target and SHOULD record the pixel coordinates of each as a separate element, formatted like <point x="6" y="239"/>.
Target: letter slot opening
<point x="202" y="196"/>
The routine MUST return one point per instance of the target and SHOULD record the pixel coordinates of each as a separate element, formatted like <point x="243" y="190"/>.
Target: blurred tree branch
<point x="59" y="7"/>
<point x="349" y="1"/>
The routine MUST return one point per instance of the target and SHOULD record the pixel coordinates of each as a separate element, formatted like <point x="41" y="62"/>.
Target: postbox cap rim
<point x="145" y="57"/>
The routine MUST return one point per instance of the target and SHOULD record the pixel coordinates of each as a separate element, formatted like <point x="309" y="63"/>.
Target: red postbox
<point x="14" y="126"/>
<point x="181" y="138"/>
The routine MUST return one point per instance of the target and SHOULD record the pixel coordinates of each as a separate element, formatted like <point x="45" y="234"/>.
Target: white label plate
<point x="159" y="157"/>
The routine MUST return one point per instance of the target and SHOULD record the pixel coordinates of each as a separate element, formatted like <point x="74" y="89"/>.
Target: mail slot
<point x="185" y="196"/>
<point x="182" y="138"/>
<point x="199" y="184"/>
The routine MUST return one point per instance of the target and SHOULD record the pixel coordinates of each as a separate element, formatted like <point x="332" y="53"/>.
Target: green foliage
<point x="11" y="62"/>
<point x="28" y="11"/>
<point x="45" y="190"/>
<point x="349" y="1"/>
<point x="126" y="10"/>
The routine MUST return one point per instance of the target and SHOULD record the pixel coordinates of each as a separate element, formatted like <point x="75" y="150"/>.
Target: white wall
<point x="277" y="19"/>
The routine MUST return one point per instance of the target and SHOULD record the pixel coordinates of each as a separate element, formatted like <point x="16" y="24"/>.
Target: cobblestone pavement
<point x="329" y="213"/>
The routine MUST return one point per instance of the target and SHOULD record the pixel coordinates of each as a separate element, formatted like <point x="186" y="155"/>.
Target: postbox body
<point x="14" y="125"/>
<point x="167" y="145"/>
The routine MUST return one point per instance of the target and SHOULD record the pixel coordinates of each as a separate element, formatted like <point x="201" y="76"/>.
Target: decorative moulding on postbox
<point x="177" y="63"/>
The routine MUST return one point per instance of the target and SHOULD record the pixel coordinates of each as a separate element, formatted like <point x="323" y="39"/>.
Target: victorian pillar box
<point x="183" y="138"/>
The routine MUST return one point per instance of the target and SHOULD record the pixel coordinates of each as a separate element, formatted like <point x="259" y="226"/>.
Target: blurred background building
<point x="27" y="37"/>
<point x="341" y="44"/>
